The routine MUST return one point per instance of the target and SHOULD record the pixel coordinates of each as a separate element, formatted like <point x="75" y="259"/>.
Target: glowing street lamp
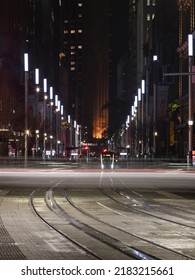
<point x="143" y="90"/>
<point x="36" y="76"/>
<point x="37" y="96"/>
<point x="155" y="59"/>
<point x="190" y="118"/>
<point x="143" y="86"/>
<point x="26" y="62"/>
<point x="44" y="114"/>
<point x="51" y="118"/>
<point x="139" y="94"/>
<point x="26" y="69"/>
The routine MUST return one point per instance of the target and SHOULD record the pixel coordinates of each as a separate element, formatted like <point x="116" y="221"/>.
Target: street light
<point x="136" y="124"/>
<point x="37" y="96"/>
<point x="26" y="69"/>
<point x="37" y="141"/>
<point x="44" y="114"/>
<point x="143" y="99"/>
<point x="190" y="118"/>
<point x="69" y="131"/>
<point x="51" y="118"/>
<point x="139" y="129"/>
<point x="143" y="85"/>
<point x="37" y="76"/>
<point x="51" y="150"/>
<point x="155" y="59"/>
<point x="58" y="123"/>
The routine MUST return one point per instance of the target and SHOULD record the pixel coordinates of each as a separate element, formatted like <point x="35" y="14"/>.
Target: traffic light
<point x="86" y="148"/>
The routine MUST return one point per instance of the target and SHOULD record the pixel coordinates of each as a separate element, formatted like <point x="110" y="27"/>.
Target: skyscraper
<point x="31" y="27"/>
<point x="73" y="16"/>
<point x="86" y="62"/>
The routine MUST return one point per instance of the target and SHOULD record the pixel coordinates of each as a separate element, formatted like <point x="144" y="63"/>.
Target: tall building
<point x="31" y="27"/>
<point x="184" y="132"/>
<point x="86" y="63"/>
<point x="11" y="90"/>
<point x="73" y="18"/>
<point x="152" y="51"/>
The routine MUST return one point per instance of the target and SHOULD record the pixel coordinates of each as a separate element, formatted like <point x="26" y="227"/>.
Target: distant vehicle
<point x="107" y="159"/>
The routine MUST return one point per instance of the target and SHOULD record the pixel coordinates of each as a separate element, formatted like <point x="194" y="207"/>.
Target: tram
<point x="107" y="159"/>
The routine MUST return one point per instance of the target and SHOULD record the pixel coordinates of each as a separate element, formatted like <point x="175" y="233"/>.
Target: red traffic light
<point x="86" y="148"/>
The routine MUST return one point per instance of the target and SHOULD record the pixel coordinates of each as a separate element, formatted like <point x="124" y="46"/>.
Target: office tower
<point x="31" y="27"/>
<point x="73" y="16"/>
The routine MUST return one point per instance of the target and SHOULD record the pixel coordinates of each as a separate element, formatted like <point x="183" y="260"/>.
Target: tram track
<point x="144" y="204"/>
<point x="92" y="231"/>
<point x="112" y="243"/>
<point x="58" y="207"/>
<point x="137" y="239"/>
<point x="99" y="217"/>
<point x="52" y="225"/>
<point x="139" y="203"/>
<point x="52" y="201"/>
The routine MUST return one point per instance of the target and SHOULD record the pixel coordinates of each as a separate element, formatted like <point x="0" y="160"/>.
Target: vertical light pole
<point x="70" y="130"/>
<point x="139" y="96"/>
<point x="132" y="130"/>
<point x="37" y="90"/>
<point x="143" y="93"/>
<point x="155" y="58"/>
<point x="75" y="137"/>
<point x="44" y="115"/>
<point x="26" y="69"/>
<point x="56" y="123"/>
<point x="63" y="133"/>
<point x="136" y="117"/>
<point x="79" y="140"/>
<point x="51" y="119"/>
<point x="59" y="126"/>
<point x="37" y="141"/>
<point x="190" y="117"/>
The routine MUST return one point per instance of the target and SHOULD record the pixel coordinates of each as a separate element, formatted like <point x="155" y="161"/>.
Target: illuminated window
<point x="80" y="31"/>
<point x="153" y="16"/>
<point x="80" y="47"/>
<point x="72" y="68"/>
<point x="72" y="62"/>
<point x="80" y="15"/>
<point x="153" y="2"/>
<point x="72" y="31"/>
<point x="72" y="53"/>
<point x="72" y="47"/>
<point x="80" y="4"/>
<point x="66" y="21"/>
<point x="148" y="2"/>
<point x="148" y="17"/>
<point x="65" y="31"/>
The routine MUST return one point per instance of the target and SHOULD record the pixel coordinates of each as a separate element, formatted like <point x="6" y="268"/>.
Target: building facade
<point x="31" y="27"/>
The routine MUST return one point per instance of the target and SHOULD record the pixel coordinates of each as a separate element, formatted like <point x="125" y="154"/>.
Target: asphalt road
<point x="67" y="212"/>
